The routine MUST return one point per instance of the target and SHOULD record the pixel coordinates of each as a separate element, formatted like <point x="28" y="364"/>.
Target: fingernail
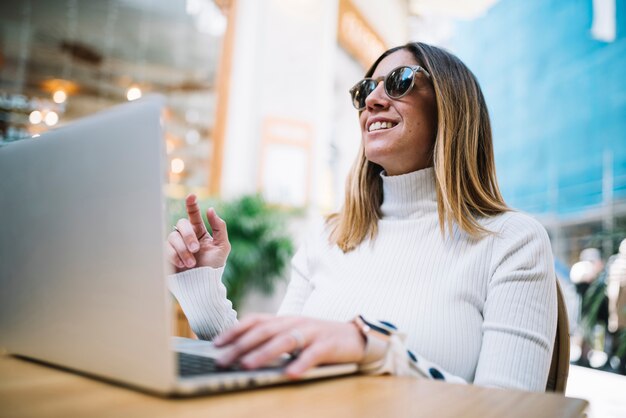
<point x="190" y="262"/>
<point x="194" y="247"/>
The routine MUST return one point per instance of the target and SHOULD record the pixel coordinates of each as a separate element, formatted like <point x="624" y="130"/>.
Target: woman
<point x="424" y="241"/>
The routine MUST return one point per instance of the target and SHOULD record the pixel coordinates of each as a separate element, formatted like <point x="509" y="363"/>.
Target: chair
<point x="559" y="367"/>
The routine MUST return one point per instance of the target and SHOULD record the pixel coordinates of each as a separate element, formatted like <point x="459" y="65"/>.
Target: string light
<point x="35" y="117"/>
<point x="51" y="118"/>
<point x="133" y="93"/>
<point x="59" y="96"/>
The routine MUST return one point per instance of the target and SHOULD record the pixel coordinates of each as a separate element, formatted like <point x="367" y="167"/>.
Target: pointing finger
<point x="195" y="217"/>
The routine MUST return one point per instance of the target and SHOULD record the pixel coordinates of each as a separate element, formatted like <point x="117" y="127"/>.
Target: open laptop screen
<point x="82" y="271"/>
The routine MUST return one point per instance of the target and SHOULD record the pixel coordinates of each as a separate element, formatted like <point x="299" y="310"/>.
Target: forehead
<point x="393" y="60"/>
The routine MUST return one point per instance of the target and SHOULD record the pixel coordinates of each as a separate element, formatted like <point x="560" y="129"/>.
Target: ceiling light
<point x="35" y="117"/>
<point x="59" y="96"/>
<point x="51" y="118"/>
<point x="177" y="165"/>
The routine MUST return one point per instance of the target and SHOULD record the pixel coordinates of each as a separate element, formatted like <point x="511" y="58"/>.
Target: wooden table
<point x="29" y="389"/>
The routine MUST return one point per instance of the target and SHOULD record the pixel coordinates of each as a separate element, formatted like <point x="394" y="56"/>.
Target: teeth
<point x="380" y="125"/>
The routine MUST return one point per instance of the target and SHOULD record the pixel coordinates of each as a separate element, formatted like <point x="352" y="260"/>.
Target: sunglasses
<point x="397" y="83"/>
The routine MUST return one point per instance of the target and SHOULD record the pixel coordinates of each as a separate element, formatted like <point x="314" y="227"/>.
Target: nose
<point x="377" y="98"/>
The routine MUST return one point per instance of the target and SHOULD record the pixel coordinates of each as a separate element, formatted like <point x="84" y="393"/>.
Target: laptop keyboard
<point x="232" y="378"/>
<point x="192" y="365"/>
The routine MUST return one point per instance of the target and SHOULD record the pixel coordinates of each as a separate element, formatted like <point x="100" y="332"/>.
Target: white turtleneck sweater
<point x="475" y="310"/>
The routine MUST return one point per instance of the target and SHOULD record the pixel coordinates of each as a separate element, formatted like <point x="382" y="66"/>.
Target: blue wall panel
<point x="557" y="99"/>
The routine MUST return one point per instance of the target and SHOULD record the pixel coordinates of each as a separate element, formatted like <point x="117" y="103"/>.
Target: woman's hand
<point x="260" y="339"/>
<point x="190" y="245"/>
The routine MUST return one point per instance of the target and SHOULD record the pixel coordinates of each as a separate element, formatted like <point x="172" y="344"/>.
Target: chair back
<point x="559" y="367"/>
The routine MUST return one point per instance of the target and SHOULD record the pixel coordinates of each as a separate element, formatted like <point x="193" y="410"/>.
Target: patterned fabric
<point x="397" y="354"/>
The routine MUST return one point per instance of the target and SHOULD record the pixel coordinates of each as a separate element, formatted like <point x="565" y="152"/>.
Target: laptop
<point x="82" y="264"/>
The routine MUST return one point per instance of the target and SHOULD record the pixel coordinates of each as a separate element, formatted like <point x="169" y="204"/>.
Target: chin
<point x="377" y="159"/>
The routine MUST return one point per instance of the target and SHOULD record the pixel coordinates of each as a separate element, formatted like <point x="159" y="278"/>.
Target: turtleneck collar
<point x="409" y="195"/>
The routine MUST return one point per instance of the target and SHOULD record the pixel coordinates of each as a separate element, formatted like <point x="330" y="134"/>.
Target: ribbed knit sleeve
<point x="520" y="312"/>
<point x="202" y="296"/>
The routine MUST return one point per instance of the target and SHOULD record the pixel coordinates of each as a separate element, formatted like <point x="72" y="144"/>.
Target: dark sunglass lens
<point x="361" y="91"/>
<point x="399" y="82"/>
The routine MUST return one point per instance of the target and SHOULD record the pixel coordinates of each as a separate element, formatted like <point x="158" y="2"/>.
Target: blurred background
<point x="259" y="119"/>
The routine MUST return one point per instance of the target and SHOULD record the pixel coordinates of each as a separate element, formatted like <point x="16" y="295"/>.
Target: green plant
<point x="593" y="302"/>
<point x="620" y="351"/>
<point x="615" y="235"/>
<point x="261" y="247"/>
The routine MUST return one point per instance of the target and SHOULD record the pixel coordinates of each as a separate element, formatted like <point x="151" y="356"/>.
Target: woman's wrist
<point x="361" y="342"/>
<point x="375" y="338"/>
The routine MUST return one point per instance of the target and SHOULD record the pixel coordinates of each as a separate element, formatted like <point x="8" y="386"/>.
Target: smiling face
<point x="398" y="134"/>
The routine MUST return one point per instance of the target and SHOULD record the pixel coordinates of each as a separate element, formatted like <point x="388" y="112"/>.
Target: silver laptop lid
<point x="82" y="271"/>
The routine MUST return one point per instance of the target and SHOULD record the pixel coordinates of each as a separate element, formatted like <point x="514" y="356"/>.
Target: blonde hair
<point x="465" y="173"/>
